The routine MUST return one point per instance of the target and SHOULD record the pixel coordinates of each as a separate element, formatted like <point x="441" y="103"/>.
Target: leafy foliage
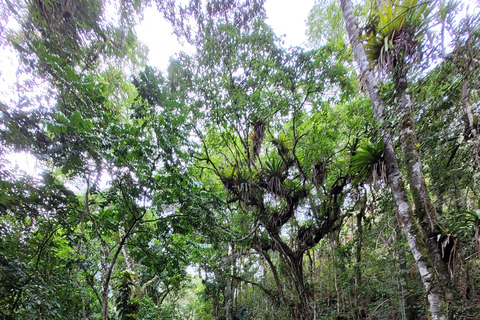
<point x="248" y="181"/>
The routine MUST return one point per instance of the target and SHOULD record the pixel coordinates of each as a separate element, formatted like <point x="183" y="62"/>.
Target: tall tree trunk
<point x="228" y="298"/>
<point x="359" y="296"/>
<point x="413" y="235"/>
<point x="312" y="270"/>
<point x="424" y="211"/>
<point x="407" y="295"/>
<point x="105" y="289"/>
<point x="108" y="269"/>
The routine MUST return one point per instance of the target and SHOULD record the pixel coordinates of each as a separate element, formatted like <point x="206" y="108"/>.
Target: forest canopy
<point x="249" y="179"/>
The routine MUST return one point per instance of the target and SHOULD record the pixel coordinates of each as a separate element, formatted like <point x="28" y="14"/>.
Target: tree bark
<point x="413" y="235"/>
<point x="108" y="269"/>
<point x="359" y="296"/>
<point x="294" y="260"/>
<point x="424" y="210"/>
<point x="303" y="294"/>
<point x="407" y="295"/>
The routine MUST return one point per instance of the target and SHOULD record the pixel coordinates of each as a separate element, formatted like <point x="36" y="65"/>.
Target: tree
<point x="242" y="75"/>
<point x="416" y="241"/>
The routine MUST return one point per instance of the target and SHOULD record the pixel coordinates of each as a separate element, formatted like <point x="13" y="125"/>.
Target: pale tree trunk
<point x="413" y="235"/>
<point x="108" y="264"/>
<point x="228" y="297"/>
<point x="139" y="289"/>
<point x="407" y="295"/>
<point x="424" y="210"/>
<point x="228" y="290"/>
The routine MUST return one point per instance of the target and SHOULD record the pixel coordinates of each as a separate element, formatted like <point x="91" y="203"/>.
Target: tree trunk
<point x="131" y="268"/>
<point x="105" y="304"/>
<point x="108" y="269"/>
<point x="275" y="274"/>
<point x="359" y="296"/>
<point x="414" y="237"/>
<point x="407" y="295"/>
<point x="228" y="298"/>
<point x="303" y="294"/>
<point x="424" y="210"/>
<point x="294" y="260"/>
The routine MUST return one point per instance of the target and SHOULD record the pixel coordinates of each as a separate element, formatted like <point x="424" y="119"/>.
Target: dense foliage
<point x="250" y="180"/>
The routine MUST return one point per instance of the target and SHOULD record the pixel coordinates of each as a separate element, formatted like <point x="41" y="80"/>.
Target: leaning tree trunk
<point x="407" y="294"/>
<point x="413" y="235"/>
<point x="424" y="210"/>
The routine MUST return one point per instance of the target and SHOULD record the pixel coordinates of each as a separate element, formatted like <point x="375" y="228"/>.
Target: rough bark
<point x="413" y="235"/>
<point x="304" y="296"/>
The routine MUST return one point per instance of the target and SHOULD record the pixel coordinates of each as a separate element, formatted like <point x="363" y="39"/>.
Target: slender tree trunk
<point x="358" y="255"/>
<point x="131" y="268"/>
<point x="84" y="311"/>
<point x="424" y="211"/>
<point x="359" y="296"/>
<point x="407" y="294"/>
<point x="312" y="270"/>
<point x="335" y="271"/>
<point x="216" y="294"/>
<point x="275" y="275"/>
<point x="408" y="298"/>
<point x="108" y="270"/>
<point x="413" y="235"/>
<point x="228" y="297"/>
<point x="105" y="288"/>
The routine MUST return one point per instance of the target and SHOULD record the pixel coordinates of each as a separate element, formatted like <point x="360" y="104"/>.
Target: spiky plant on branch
<point x="368" y="162"/>
<point x="397" y="24"/>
